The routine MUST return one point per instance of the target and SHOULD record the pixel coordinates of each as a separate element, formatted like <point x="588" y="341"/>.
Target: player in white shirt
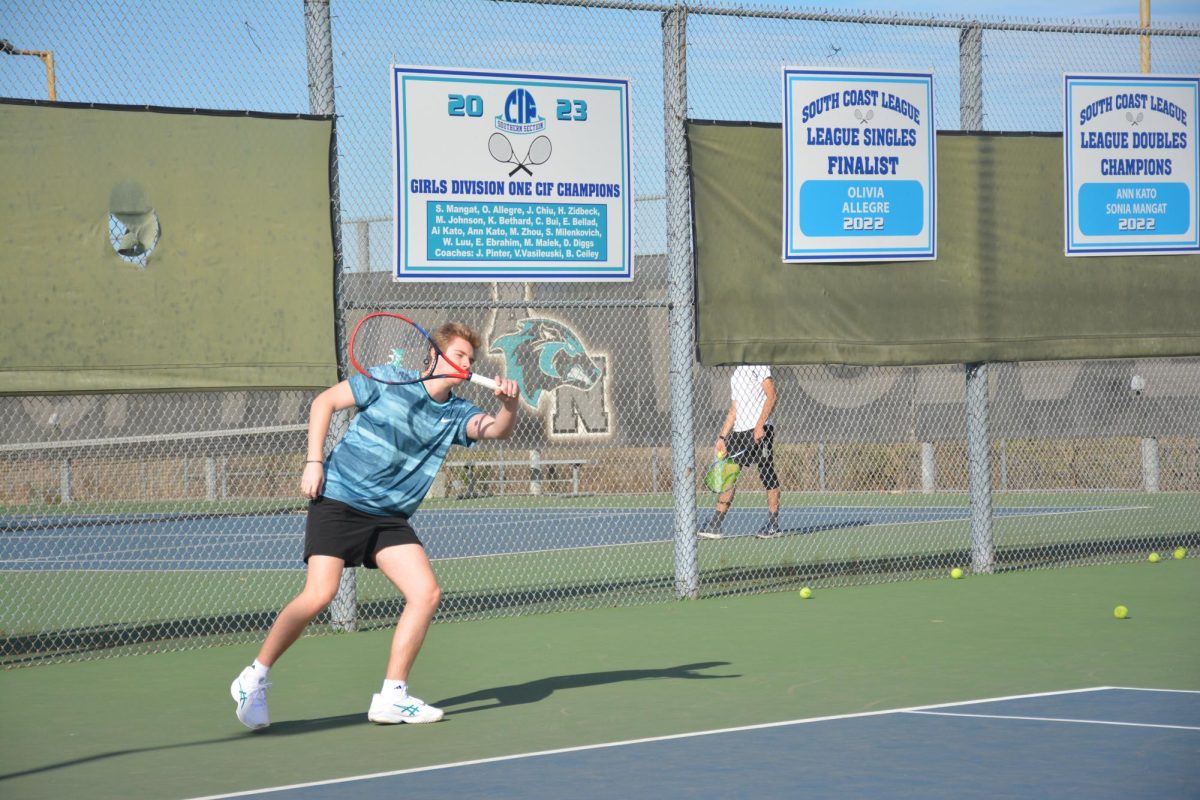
<point x="749" y="432"/>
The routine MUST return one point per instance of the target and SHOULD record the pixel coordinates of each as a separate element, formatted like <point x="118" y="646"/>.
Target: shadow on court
<point x="535" y="691"/>
<point x="285" y="728"/>
<point x="512" y="695"/>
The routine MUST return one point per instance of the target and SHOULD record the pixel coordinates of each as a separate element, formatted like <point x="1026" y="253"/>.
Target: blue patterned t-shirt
<point x="394" y="446"/>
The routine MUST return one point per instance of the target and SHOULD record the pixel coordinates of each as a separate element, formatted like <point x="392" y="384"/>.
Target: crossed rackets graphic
<point x="502" y="150"/>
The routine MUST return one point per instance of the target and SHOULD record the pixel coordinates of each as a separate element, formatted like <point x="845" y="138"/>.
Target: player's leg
<point x="736" y="442"/>
<point x="765" y="459"/>
<point x="320" y="587"/>
<point x="408" y="568"/>
<point x="712" y="528"/>
<point x="249" y="688"/>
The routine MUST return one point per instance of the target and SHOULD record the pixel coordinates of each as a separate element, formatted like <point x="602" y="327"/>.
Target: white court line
<point x="605" y="745"/>
<point x="1055" y="719"/>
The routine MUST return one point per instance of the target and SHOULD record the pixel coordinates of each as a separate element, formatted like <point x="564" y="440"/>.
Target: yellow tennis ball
<point x="1154" y="558"/>
<point x="956" y="573"/>
<point x="1120" y="612"/>
<point x="805" y="593"/>
<point x="1179" y="553"/>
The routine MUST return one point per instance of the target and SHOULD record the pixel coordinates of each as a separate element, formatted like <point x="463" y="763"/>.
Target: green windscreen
<point x="1000" y="290"/>
<point x="163" y="250"/>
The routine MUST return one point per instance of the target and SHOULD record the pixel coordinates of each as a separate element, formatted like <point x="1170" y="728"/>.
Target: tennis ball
<point x="956" y="573"/>
<point x="1179" y="553"/>
<point x="805" y="593"/>
<point x="1154" y="558"/>
<point x="1120" y="612"/>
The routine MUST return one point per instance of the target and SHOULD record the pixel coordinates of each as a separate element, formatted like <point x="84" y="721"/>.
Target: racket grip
<point x="485" y="382"/>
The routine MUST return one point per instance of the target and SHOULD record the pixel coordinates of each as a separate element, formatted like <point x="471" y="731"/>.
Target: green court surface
<point x="162" y="725"/>
<point x="1061" y="528"/>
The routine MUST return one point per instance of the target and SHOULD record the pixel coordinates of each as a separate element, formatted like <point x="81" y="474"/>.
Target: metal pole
<point x="1145" y="9"/>
<point x="680" y="312"/>
<point x="970" y="78"/>
<point x="928" y="468"/>
<point x="47" y="57"/>
<point x="979" y="464"/>
<point x="318" y="38"/>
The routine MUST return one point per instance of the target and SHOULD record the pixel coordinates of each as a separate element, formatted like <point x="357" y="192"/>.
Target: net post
<point x="979" y="469"/>
<point x="680" y="312"/>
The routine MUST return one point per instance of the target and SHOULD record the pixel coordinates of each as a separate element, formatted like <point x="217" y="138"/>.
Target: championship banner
<point x="1131" y="162"/>
<point x="505" y="176"/>
<point x="859" y="166"/>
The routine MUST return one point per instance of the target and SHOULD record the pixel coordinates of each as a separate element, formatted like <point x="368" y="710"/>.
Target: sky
<point x="249" y="54"/>
<point x="1161" y="11"/>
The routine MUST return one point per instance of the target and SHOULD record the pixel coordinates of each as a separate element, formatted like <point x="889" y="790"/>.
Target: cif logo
<point x="520" y="113"/>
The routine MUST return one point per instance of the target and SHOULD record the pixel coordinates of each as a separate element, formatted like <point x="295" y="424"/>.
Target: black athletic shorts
<point x="336" y="529"/>
<point x="761" y="454"/>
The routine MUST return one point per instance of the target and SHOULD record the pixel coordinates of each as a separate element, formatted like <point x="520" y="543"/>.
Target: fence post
<point x="928" y="468"/>
<point x="680" y="311"/>
<point x="979" y="464"/>
<point x="979" y="468"/>
<point x="970" y="77"/>
<point x="1150" y="464"/>
<point x="65" y="481"/>
<point x="535" y="473"/>
<point x="318" y="38"/>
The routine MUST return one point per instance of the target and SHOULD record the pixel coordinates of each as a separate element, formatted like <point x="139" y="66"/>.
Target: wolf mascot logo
<point x="543" y="355"/>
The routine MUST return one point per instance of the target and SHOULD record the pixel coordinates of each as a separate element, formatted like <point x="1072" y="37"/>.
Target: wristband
<point x="312" y="461"/>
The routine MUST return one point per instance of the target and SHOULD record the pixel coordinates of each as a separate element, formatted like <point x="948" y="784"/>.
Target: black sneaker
<point x="711" y="530"/>
<point x="769" y="531"/>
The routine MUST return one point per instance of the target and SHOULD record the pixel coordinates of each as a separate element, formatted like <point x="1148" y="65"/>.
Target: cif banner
<point x="505" y="176"/>
<point x="1130" y="164"/>
<point x="859" y="166"/>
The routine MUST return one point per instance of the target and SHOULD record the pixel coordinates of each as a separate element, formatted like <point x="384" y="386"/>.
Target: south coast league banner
<point x="1131" y="163"/>
<point x="860" y="172"/>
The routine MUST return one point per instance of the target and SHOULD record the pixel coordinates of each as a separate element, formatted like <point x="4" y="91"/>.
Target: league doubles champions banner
<point x="504" y="176"/>
<point x="1131" y="164"/>
<point x="859" y="166"/>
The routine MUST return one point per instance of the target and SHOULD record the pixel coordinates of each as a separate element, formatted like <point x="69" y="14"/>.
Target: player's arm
<point x="768" y="386"/>
<point x="333" y="399"/>
<point x="726" y="427"/>
<point x="499" y="425"/>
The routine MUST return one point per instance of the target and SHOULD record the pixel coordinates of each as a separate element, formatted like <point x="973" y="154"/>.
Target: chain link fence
<point x="152" y="522"/>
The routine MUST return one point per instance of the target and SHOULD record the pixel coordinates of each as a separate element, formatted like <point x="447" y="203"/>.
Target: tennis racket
<point x="538" y="154"/>
<point x="391" y="348"/>
<point x="723" y="473"/>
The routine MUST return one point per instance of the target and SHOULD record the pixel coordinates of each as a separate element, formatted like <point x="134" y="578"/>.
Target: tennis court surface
<point x="1064" y="744"/>
<point x="981" y="687"/>
<point x="273" y="541"/>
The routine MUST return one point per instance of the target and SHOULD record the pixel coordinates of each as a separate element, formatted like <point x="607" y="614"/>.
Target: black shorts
<point x="761" y="454"/>
<point x="336" y="529"/>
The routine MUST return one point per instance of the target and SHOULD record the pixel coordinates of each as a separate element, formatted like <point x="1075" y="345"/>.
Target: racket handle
<point x="485" y="382"/>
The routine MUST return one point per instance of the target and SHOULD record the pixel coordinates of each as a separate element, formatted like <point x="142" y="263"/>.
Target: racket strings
<point x="390" y="349"/>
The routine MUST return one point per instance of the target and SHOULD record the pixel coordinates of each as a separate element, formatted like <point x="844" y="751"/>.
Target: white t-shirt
<point x="746" y="387"/>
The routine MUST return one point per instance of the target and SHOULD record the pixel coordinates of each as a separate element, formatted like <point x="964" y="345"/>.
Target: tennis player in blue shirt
<point x="362" y="496"/>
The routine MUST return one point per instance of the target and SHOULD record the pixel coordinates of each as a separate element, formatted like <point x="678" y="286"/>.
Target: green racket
<point x="723" y="473"/>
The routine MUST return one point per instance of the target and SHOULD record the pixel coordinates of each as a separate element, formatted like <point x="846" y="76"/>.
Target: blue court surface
<point x="274" y="541"/>
<point x="1093" y="743"/>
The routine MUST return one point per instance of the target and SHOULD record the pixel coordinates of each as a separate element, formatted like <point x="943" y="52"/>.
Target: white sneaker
<point x="250" y="694"/>
<point x="390" y="710"/>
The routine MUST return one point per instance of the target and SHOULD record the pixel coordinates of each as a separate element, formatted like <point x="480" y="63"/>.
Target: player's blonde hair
<point x="455" y="330"/>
